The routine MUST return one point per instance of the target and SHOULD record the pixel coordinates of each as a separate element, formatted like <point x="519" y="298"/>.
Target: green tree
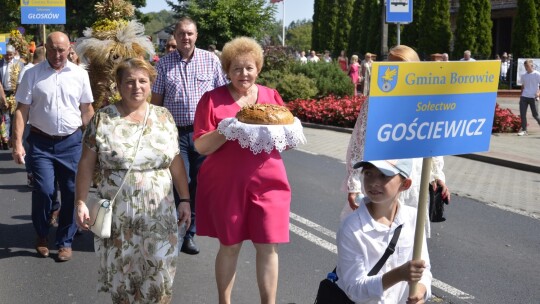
<point x="355" y="34"/>
<point x="466" y="30"/>
<point x="373" y="34"/>
<point x="525" y="32"/>
<point x="410" y="34"/>
<point x="10" y="15"/>
<point x="274" y="33"/>
<point x="329" y="23"/>
<point x="484" y="40"/>
<point x="364" y="28"/>
<point x="341" y="39"/>
<point x="436" y="18"/>
<point x="299" y="35"/>
<point x="318" y="13"/>
<point x="158" y="21"/>
<point x="219" y="21"/>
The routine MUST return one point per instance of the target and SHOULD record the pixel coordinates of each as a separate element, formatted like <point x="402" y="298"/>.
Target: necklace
<point x="244" y="100"/>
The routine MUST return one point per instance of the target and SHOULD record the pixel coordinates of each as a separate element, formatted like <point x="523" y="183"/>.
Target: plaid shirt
<point x="182" y="83"/>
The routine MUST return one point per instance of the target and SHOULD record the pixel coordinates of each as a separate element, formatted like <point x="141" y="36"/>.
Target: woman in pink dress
<point x="353" y="72"/>
<point x="240" y="196"/>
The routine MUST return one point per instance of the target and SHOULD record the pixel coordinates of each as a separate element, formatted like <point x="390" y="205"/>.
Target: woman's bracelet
<point x="184" y="200"/>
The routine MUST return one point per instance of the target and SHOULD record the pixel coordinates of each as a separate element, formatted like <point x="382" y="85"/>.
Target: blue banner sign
<point x="43" y="11"/>
<point x="3" y="43"/>
<point x="426" y="109"/>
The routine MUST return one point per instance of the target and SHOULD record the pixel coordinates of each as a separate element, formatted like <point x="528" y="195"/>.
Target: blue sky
<point x="294" y="9"/>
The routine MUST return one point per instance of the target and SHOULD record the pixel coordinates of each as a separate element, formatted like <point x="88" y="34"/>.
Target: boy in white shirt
<point x="530" y="90"/>
<point x="365" y="234"/>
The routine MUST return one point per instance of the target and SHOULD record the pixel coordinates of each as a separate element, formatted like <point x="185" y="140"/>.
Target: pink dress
<point x="240" y="196"/>
<point x="353" y="72"/>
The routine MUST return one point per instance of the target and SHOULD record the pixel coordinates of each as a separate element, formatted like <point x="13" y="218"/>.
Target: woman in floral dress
<point x="138" y="263"/>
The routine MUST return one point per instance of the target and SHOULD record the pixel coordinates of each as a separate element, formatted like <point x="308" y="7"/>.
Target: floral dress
<point x="138" y="263"/>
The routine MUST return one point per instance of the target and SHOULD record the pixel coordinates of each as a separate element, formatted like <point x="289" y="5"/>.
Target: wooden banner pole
<point x="421" y="215"/>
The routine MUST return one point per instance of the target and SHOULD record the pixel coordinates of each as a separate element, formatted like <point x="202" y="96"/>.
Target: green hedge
<point x="290" y="86"/>
<point x="329" y="78"/>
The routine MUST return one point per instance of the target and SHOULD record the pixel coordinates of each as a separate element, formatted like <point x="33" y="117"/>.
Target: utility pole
<point x="384" y="34"/>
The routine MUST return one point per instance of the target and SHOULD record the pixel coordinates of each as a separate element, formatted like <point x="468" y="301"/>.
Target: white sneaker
<point x="522" y="133"/>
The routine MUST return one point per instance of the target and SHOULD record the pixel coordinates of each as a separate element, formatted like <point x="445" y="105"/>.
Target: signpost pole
<point x="398" y="33"/>
<point x="43" y="33"/>
<point x="421" y="216"/>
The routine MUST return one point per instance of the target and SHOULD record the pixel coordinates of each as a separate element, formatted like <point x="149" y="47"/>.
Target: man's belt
<point x="54" y="137"/>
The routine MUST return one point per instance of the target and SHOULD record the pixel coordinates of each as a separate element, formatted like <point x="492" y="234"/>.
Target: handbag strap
<point x="136" y="150"/>
<point x="387" y="253"/>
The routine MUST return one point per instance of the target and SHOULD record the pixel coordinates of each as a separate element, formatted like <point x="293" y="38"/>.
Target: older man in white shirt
<point x="55" y="97"/>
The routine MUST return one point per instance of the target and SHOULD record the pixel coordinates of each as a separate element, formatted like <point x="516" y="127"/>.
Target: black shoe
<point x="189" y="246"/>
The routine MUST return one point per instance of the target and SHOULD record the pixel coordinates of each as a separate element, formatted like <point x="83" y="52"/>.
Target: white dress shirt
<point x="54" y="97"/>
<point x="6" y="68"/>
<point x="27" y="67"/>
<point x="361" y="242"/>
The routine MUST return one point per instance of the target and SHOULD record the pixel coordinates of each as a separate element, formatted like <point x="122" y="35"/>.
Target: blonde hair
<point x="402" y="53"/>
<point x="238" y="47"/>
<point x="354" y="58"/>
<point x="134" y="64"/>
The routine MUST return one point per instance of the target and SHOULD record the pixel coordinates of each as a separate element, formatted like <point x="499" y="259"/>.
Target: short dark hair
<point x="185" y="19"/>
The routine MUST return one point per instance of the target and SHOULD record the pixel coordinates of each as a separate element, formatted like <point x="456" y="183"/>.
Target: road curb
<point x="483" y="158"/>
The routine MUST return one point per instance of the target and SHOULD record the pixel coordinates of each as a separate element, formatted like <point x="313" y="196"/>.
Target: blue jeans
<point x="523" y="103"/>
<point x="54" y="160"/>
<point x="192" y="161"/>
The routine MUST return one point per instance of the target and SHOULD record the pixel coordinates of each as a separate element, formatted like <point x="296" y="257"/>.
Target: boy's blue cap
<point x="390" y="167"/>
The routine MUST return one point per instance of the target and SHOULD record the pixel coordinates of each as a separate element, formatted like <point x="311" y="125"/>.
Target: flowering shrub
<point x="330" y="110"/>
<point x="342" y="112"/>
<point x="505" y="121"/>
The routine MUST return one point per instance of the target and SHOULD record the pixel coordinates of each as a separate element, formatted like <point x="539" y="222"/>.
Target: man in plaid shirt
<point x="183" y="77"/>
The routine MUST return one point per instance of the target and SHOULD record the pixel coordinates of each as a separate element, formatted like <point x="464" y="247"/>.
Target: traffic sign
<point x="399" y="11"/>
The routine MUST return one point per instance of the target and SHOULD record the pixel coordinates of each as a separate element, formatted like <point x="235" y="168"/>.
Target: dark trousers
<point x="27" y="159"/>
<point x="523" y="103"/>
<point x="54" y="160"/>
<point x="192" y="161"/>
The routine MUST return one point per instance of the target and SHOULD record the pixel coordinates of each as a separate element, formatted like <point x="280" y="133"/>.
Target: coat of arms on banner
<point x="388" y="75"/>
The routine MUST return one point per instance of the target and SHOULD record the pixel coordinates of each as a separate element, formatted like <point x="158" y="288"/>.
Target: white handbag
<point x="101" y="213"/>
<point x="101" y="208"/>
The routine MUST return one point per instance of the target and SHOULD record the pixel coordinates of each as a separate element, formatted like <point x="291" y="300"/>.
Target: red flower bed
<point x="330" y="110"/>
<point x="342" y="112"/>
<point x="505" y="121"/>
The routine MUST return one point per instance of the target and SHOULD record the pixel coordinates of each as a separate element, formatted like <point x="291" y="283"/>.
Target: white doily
<point x="263" y="137"/>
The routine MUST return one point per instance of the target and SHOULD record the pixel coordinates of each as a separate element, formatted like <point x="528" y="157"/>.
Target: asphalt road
<point x="488" y="254"/>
